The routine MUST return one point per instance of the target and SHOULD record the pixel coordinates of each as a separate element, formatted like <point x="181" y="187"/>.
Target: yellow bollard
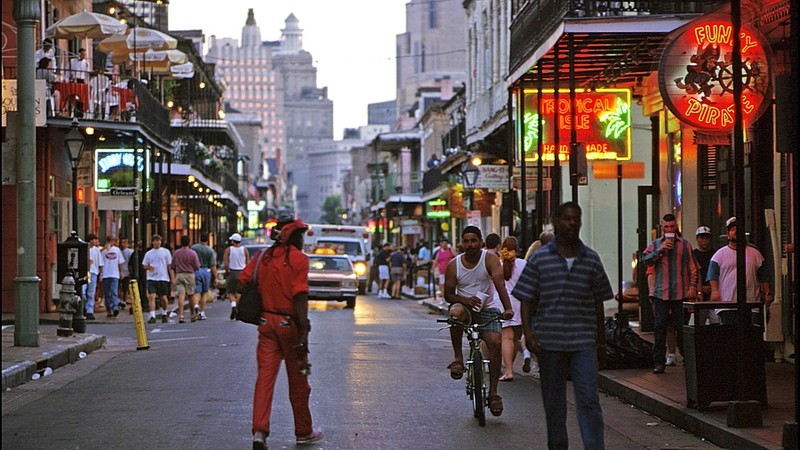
<point x="138" y="320"/>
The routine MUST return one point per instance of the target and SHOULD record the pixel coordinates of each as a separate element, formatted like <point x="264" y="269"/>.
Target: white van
<point x="350" y="240"/>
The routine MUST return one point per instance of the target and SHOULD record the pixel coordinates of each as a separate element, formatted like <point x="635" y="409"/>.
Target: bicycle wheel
<point x="478" y="397"/>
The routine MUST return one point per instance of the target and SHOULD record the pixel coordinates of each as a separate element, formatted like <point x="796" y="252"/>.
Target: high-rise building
<point x="432" y="49"/>
<point x="308" y="113"/>
<point x="278" y="81"/>
<point x="253" y="86"/>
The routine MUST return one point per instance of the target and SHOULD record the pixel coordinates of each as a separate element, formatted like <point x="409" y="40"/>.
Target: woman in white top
<point x="235" y="259"/>
<point x="512" y="329"/>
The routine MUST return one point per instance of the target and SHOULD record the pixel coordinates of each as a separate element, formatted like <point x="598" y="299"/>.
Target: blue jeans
<point x="666" y="313"/>
<point x="90" y="291"/>
<point x="582" y="366"/>
<point x="111" y="293"/>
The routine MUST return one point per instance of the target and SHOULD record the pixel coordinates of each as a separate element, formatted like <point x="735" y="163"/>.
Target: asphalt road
<point x="379" y="380"/>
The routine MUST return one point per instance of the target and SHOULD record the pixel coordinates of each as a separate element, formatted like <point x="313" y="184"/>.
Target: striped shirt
<point x="565" y="312"/>
<point x="675" y="270"/>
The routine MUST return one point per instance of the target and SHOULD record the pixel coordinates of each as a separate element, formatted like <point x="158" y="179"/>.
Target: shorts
<point x="397" y="273"/>
<point x="159" y="288"/>
<point x="232" y="284"/>
<point x="124" y="284"/>
<point x="184" y="283"/>
<point x="383" y="273"/>
<point x="202" y="281"/>
<point x="482" y="316"/>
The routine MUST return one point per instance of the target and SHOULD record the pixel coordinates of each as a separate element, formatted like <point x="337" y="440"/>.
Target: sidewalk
<point x="21" y="363"/>
<point x="664" y="396"/>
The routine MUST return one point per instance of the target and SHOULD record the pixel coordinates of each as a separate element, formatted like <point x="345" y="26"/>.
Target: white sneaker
<point x="670" y="360"/>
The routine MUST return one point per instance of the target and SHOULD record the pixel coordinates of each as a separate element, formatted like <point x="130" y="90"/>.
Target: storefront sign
<point x="494" y="178"/>
<point x="114" y="168"/>
<point x="39" y="99"/>
<point x="602" y="122"/>
<point x="437" y="209"/>
<point x="696" y="73"/>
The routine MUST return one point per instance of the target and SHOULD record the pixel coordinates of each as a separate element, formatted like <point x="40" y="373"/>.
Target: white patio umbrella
<point x="152" y="57"/>
<point x="137" y="39"/>
<point x="85" y="25"/>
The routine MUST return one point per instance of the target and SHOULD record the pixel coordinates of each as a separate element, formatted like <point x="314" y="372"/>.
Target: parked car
<point x="332" y="277"/>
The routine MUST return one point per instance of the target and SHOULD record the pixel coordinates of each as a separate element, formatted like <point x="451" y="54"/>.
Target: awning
<point x="607" y="52"/>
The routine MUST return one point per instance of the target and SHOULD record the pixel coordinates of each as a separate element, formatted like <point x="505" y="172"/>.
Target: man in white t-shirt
<point x="160" y="278"/>
<point x="113" y="265"/>
<point x="95" y="273"/>
<point x="722" y="275"/>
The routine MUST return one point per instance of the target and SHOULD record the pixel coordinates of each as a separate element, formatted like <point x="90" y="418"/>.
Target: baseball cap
<point x="730" y="222"/>
<point x="235" y="237"/>
<point x="702" y="230"/>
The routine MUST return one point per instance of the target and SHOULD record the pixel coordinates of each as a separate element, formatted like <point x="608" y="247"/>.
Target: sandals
<point x="181" y="320"/>
<point x="456" y="370"/>
<point x="505" y="378"/>
<point x="495" y="405"/>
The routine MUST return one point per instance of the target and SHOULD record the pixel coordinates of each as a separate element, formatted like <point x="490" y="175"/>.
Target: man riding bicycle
<point x="471" y="280"/>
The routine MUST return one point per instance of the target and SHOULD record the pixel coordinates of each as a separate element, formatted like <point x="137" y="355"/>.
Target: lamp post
<point x="469" y="175"/>
<point x="75" y="142"/>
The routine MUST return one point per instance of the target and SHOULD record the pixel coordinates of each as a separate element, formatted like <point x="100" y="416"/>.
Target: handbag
<point x="249" y="308"/>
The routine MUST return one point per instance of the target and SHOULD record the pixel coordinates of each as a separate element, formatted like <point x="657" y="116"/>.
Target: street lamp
<point x="75" y="143"/>
<point x="469" y="176"/>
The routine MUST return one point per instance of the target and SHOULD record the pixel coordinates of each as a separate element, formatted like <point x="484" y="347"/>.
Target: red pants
<point x="277" y="340"/>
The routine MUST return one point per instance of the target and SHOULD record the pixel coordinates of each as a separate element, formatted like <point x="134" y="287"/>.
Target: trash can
<point x="712" y="354"/>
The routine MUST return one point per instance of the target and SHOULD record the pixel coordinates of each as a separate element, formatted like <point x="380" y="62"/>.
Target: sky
<point x="352" y="42"/>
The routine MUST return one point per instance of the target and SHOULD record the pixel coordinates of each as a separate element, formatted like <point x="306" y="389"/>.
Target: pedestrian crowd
<point x="190" y="272"/>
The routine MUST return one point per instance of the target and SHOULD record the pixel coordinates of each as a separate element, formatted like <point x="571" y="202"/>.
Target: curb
<point x="21" y="373"/>
<point x="679" y="415"/>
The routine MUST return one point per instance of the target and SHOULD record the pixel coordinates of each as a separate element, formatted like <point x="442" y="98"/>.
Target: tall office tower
<point x="253" y="86"/>
<point x="432" y="49"/>
<point x="307" y="111"/>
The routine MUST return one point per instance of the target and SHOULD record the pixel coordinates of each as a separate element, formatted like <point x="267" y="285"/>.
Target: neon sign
<point x="437" y="209"/>
<point x="114" y="168"/>
<point x="602" y="123"/>
<point x="696" y="73"/>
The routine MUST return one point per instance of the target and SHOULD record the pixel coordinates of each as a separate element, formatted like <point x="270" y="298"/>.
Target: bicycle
<point x="477" y="373"/>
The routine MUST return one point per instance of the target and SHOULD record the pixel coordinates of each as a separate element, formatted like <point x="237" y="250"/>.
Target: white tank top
<point x="477" y="279"/>
<point x="236" y="258"/>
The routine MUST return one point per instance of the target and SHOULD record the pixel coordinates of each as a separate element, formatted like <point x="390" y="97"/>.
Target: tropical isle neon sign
<point x="602" y="123"/>
<point x="696" y="73"/>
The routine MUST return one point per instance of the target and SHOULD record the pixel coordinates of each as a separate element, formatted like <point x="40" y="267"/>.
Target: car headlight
<point x="349" y="284"/>
<point x="360" y="267"/>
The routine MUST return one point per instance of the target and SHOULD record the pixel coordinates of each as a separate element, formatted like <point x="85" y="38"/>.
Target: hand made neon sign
<point x="696" y="73"/>
<point x="602" y="124"/>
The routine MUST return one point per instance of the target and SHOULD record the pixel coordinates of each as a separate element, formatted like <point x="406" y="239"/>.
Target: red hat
<point x="289" y="228"/>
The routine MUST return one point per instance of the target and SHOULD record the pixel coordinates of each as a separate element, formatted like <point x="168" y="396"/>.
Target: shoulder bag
<point x="249" y="308"/>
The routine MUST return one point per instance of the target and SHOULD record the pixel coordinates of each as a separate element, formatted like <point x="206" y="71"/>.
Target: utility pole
<point x="26" y="299"/>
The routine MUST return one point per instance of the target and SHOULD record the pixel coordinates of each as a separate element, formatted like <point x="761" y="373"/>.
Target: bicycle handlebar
<point x="453" y="321"/>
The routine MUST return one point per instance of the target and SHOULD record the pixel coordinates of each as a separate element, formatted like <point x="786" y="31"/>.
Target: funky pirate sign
<point x="696" y="73"/>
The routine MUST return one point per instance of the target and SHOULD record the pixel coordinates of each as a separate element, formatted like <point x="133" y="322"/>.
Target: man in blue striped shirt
<point x="562" y="290"/>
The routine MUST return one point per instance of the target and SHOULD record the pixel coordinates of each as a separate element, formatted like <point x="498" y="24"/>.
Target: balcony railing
<point x="100" y="96"/>
<point x="537" y="19"/>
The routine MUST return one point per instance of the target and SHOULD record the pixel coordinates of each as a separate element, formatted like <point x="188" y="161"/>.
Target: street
<point x="379" y="380"/>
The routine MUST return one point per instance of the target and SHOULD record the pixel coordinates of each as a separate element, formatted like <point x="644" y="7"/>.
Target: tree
<point x="332" y="210"/>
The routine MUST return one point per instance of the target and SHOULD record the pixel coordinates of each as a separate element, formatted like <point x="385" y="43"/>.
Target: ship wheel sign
<point x="696" y="73"/>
